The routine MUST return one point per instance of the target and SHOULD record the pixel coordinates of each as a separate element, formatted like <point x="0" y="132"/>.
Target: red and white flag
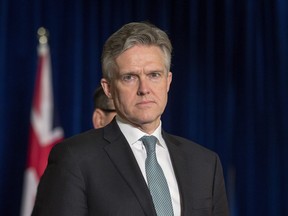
<point x="44" y="131"/>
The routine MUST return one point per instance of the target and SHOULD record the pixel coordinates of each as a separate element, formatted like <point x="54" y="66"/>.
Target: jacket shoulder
<point x="188" y="146"/>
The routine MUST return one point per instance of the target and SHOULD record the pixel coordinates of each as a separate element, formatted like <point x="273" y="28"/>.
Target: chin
<point x="147" y="119"/>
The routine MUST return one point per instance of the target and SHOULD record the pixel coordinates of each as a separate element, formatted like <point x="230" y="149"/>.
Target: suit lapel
<point x="123" y="158"/>
<point x="179" y="162"/>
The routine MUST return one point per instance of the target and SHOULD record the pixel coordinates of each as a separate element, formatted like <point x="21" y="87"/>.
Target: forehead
<point x="140" y="55"/>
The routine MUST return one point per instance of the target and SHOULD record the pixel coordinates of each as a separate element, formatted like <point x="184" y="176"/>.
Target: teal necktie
<point x="156" y="180"/>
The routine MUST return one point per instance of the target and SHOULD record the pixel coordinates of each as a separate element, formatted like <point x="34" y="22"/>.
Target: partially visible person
<point x="104" y="110"/>
<point x="132" y="166"/>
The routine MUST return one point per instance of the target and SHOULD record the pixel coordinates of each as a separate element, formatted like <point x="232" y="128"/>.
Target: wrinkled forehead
<point x="139" y="55"/>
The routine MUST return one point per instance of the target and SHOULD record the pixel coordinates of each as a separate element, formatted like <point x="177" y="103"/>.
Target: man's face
<point x="140" y="88"/>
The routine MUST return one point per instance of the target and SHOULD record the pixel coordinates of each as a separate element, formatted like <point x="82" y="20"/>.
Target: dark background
<point x="229" y="90"/>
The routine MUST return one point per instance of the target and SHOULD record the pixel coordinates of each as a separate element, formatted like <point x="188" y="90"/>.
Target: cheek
<point x="122" y="99"/>
<point x="162" y="95"/>
<point x="162" y="90"/>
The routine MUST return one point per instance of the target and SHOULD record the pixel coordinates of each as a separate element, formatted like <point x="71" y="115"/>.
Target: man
<point x="104" y="110"/>
<point x="108" y="171"/>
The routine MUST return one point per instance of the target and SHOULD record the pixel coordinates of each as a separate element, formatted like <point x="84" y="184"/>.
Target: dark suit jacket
<point x="95" y="173"/>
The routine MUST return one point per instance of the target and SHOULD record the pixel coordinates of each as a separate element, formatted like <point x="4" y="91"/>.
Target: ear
<point x="169" y="80"/>
<point x="97" y="118"/>
<point x="106" y="87"/>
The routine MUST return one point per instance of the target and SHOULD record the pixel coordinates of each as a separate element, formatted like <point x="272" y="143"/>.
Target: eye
<point x="154" y="75"/>
<point x="128" y="77"/>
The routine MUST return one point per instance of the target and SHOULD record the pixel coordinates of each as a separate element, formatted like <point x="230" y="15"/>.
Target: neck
<point x="147" y="128"/>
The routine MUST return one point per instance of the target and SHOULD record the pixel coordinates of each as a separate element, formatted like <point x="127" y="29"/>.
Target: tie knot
<point x="149" y="143"/>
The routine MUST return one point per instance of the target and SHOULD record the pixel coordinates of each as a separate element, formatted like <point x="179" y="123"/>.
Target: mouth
<point x="146" y="103"/>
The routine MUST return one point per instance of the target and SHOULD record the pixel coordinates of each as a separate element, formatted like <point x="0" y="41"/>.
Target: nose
<point x="143" y="87"/>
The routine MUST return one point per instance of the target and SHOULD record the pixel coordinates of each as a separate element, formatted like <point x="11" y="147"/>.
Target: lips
<point x="145" y="103"/>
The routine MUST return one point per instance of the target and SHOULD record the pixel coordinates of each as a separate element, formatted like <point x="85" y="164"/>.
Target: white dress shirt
<point x="133" y="136"/>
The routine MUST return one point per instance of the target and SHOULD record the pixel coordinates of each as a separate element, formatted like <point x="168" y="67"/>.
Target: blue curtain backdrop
<point x="229" y="90"/>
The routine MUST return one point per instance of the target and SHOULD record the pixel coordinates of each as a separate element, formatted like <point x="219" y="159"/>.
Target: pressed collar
<point x="133" y="134"/>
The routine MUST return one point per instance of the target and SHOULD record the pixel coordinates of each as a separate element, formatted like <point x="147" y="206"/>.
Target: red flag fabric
<point x="44" y="132"/>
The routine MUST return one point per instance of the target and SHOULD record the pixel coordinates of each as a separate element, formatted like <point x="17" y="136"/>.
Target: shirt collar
<point x="133" y="134"/>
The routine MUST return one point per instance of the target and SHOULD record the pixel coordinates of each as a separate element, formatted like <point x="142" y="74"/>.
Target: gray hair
<point x="131" y="34"/>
